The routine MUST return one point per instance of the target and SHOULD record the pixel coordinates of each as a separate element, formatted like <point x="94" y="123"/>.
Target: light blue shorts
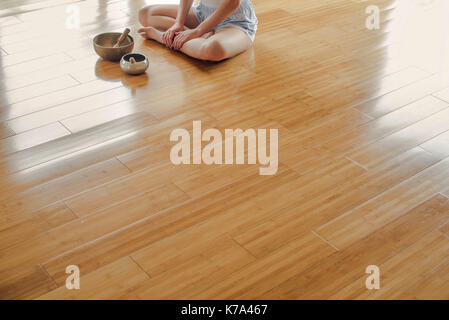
<point x="244" y="18"/>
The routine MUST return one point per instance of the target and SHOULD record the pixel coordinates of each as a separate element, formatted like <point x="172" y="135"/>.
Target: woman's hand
<point x="184" y="36"/>
<point x="170" y="34"/>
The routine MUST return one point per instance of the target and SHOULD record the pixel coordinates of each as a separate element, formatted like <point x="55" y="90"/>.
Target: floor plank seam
<point x="62" y="103"/>
<point x="13" y="133"/>
<point x="11" y="105"/>
<point x="70" y="209"/>
<point x="437" y="97"/>
<point x="379" y="138"/>
<point x="64" y="199"/>
<point x="400" y="106"/>
<point x="319" y="145"/>
<point x="99" y="210"/>
<point x="25" y="74"/>
<point x="378" y="97"/>
<point x="61" y="177"/>
<point x="364" y="114"/>
<point x="357" y="164"/>
<point x="70" y="74"/>
<point x="34" y="83"/>
<point x="402" y="182"/>
<point x="39" y="234"/>
<point x="434" y="95"/>
<point x="64" y="126"/>
<point x="129" y="169"/>
<point x="127" y="99"/>
<point x="324" y="240"/>
<point x="244" y="248"/>
<point x="125" y="227"/>
<point x="137" y="264"/>
<point x="225" y="184"/>
<point x="237" y="270"/>
<point x="47" y="274"/>
<point x="399" y="215"/>
<point x="425" y="150"/>
<point x="112" y="181"/>
<point x="432" y="138"/>
<point x="75" y="152"/>
<point x="37" y="144"/>
<point x="432" y="73"/>
<point x="391" y="256"/>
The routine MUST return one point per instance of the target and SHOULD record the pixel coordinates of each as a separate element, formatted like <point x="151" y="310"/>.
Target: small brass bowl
<point x="104" y="42"/>
<point x="138" y="67"/>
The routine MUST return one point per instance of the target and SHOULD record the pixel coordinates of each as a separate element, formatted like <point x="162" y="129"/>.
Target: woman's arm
<point x="223" y="11"/>
<point x="184" y="8"/>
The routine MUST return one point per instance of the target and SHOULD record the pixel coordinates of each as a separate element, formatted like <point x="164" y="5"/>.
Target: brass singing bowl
<point x="139" y="66"/>
<point x="104" y="42"/>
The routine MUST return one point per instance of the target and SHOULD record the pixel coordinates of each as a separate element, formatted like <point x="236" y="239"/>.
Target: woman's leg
<point x="225" y="43"/>
<point x="156" y="19"/>
<point x="163" y="17"/>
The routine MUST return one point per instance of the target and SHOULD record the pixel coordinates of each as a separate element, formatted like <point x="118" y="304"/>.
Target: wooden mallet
<point x="122" y="38"/>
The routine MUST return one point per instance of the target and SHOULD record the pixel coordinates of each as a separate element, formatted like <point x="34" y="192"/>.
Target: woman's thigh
<point x="233" y="40"/>
<point x="171" y="11"/>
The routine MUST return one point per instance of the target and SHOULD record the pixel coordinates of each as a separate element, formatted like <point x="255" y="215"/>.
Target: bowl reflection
<point x="112" y="72"/>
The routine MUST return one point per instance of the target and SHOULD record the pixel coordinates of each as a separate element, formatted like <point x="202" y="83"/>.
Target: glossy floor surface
<point x="363" y="179"/>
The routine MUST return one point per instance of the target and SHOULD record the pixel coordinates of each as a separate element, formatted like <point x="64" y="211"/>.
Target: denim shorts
<point x="244" y="18"/>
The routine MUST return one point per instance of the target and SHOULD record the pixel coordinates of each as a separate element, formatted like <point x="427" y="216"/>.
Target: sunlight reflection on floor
<point x="420" y="29"/>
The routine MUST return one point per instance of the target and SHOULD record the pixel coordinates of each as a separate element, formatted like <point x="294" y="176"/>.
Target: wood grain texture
<point x="112" y="281"/>
<point x="434" y="286"/>
<point x="372" y="250"/>
<point x="397" y="279"/>
<point x="363" y="175"/>
<point x="365" y="219"/>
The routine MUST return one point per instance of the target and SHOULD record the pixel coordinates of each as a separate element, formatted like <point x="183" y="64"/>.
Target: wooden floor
<point x="363" y="119"/>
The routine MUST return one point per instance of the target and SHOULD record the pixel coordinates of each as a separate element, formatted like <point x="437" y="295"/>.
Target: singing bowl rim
<point x="95" y="40"/>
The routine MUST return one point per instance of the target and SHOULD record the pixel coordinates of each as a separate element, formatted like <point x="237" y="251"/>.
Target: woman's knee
<point x="213" y="50"/>
<point x="145" y="15"/>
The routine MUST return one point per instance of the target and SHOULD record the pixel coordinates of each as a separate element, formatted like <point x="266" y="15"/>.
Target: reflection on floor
<point x="363" y="178"/>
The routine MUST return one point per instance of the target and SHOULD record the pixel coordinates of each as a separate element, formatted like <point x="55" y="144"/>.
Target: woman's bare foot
<point x="149" y="33"/>
<point x="154" y="34"/>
